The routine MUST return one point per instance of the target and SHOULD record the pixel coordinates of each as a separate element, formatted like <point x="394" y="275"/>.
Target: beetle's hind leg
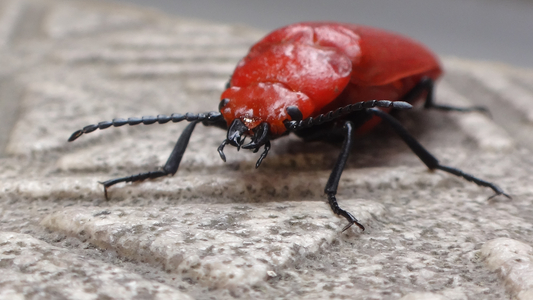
<point x="426" y="85"/>
<point x="334" y="178"/>
<point x="170" y="167"/>
<point x="429" y="160"/>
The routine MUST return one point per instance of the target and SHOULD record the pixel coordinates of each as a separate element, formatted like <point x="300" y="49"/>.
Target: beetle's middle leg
<point x="426" y="85"/>
<point x="429" y="160"/>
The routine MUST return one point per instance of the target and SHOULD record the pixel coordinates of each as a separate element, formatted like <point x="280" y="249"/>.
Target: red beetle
<point x="319" y="80"/>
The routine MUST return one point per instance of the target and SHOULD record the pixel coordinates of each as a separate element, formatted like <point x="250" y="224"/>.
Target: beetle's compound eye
<point x="222" y="104"/>
<point x="295" y="113"/>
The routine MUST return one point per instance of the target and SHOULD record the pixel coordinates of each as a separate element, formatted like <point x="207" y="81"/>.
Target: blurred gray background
<point x="492" y="30"/>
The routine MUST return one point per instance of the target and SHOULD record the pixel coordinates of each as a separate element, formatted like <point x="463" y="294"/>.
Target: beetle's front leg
<point x="334" y="178"/>
<point x="170" y="167"/>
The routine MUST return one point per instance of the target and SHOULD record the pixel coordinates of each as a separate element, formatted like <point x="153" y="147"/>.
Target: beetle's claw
<point x="347" y="227"/>
<point x="105" y="190"/>
<point x="351" y="224"/>
<point x="500" y="193"/>
<point x="351" y="221"/>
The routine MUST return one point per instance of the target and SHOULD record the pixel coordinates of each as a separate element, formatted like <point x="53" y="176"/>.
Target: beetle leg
<point x="335" y="176"/>
<point x="170" y="167"/>
<point x="427" y="158"/>
<point x="263" y="155"/>
<point x="426" y="85"/>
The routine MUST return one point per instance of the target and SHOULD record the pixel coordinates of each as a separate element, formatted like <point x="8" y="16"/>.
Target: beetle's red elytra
<point x="320" y="81"/>
<point x="319" y="67"/>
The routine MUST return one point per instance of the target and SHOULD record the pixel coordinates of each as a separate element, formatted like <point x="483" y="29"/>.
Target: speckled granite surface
<point x="227" y="231"/>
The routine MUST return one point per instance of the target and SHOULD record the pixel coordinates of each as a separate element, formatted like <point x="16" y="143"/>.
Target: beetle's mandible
<point x="319" y="80"/>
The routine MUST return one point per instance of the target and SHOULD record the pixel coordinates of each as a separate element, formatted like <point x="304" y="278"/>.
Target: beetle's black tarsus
<point x="341" y="212"/>
<point x="170" y="167"/>
<point x="427" y="158"/>
<point x="333" y="182"/>
<point x="343" y="111"/>
<point x="208" y="118"/>
<point x="426" y="85"/>
<point x="497" y="190"/>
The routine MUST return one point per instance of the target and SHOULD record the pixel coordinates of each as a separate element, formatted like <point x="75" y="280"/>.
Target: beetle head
<point x="260" y="111"/>
<point x="264" y="102"/>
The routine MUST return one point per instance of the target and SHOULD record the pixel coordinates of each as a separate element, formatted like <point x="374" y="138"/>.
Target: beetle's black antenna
<point x="209" y="118"/>
<point x="342" y="111"/>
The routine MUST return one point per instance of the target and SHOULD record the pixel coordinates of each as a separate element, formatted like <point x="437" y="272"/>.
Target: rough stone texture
<point x="514" y="261"/>
<point x="35" y="269"/>
<point x="216" y="245"/>
<point x="423" y="296"/>
<point x="227" y="230"/>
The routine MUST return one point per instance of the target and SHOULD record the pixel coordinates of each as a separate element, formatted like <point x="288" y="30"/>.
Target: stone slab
<point x="35" y="269"/>
<point x="429" y="235"/>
